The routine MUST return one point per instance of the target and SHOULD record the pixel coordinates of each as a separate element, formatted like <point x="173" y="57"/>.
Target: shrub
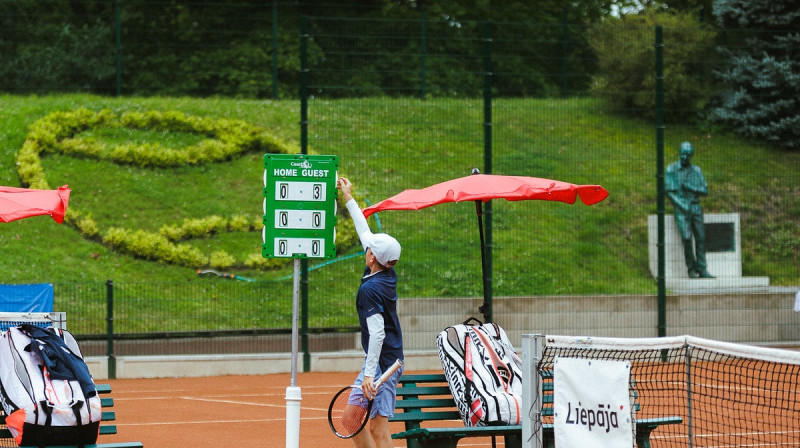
<point x="626" y="60"/>
<point x="59" y="132"/>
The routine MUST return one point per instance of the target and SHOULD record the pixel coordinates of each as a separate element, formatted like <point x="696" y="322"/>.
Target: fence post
<point x="112" y="361"/>
<point x="118" y="49"/>
<point x="662" y="288"/>
<point x="304" y="85"/>
<point x="304" y="150"/>
<point x="422" y="56"/>
<point x="487" y="161"/>
<point x="565" y="55"/>
<point x="274" y="50"/>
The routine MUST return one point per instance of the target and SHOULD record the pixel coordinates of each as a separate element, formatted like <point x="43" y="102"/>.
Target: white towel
<point x="797" y="302"/>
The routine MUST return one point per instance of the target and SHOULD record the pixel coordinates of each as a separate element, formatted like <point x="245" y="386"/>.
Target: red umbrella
<point x="482" y="188"/>
<point x="19" y="203"/>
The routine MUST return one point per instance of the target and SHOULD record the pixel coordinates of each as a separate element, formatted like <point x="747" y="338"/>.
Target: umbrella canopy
<point x="19" y="203"/>
<point x="483" y="188"/>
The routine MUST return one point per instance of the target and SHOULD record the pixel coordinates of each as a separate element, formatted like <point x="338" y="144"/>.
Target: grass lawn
<point x="386" y="145"/>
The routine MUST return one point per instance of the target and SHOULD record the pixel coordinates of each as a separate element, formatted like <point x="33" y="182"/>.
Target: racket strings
<point x="348" y="412"/>
<point x="349" y="409"/>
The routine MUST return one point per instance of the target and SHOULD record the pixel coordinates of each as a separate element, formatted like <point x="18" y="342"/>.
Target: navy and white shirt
<point x="376" y="303"/>
<point x="377" y="295"/>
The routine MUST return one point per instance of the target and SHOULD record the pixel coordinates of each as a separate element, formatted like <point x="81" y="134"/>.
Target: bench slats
<point x="421" y="378"/>
<point x="425" y="403"/>
<point x="108" y="429"/>
<point x="423" y="390"/>
<point x="476" y="431"/>
<point x="417" y="416"/>
<point x="657" y="421"/>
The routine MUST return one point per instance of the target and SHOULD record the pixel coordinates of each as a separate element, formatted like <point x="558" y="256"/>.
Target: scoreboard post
<point x="299" y="222"/>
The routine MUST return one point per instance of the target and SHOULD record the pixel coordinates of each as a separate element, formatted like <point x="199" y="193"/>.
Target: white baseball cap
<point x="384" y="247"/>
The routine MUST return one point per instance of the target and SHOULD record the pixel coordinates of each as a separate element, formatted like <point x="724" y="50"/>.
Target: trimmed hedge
<point x="225" y="139"/>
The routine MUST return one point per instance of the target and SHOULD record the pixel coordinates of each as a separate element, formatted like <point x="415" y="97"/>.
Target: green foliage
<point x="762" y="75"/>
<point x="56" y="46"/>
<point x="199" y="49"/>
<point x="386" y="145"/>
<point x="625" y="51"/>
<point x="60" y="132"/>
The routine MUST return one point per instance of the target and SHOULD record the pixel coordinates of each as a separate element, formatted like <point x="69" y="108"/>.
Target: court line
<point x="255" y="395"/>
<point x="210" y="422"/>
<point x="269" y="405"/>
<point x="718" y="435"/>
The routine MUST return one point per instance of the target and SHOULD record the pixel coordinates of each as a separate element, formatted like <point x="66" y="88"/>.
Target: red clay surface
<point x="238" y="411"/>
<point x="245" y="411"/>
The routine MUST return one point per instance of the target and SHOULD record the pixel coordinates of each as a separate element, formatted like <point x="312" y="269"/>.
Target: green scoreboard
<point x="299" y="206"/>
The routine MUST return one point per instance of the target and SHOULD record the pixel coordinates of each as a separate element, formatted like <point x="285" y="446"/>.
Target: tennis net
<point x="728" y="395"/>
<point x="54" y="319"/>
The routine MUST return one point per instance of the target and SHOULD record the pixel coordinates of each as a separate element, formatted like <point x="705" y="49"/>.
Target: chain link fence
<point x="414" y="100"/>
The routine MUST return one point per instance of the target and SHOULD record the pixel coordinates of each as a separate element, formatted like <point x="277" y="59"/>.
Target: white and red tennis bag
<point x="483" y="372"/>
<point x="47" y="392"/>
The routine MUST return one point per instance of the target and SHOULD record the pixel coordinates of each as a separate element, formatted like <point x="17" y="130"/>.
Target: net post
<point x="690" y="425"/>
<point x="59" y="319"/>
<point x="532" y="350"/>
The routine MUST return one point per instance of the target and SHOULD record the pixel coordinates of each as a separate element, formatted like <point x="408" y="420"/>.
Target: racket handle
<point x="389" y="372"/>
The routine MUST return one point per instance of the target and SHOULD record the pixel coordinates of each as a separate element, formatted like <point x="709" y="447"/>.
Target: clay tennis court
<point x="229" y="411"/>
<point x="209" y="412"/>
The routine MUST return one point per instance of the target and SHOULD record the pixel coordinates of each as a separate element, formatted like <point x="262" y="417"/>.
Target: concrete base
<point x="761" y="318"/>
<point x="247" y="364"/>
<point x="717" y="285"/>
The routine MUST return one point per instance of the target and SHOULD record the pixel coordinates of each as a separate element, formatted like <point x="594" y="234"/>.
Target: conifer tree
<point x="761" y="44"/>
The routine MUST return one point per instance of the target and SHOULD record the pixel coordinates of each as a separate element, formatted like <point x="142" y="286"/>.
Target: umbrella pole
<point x="486" y="307"/>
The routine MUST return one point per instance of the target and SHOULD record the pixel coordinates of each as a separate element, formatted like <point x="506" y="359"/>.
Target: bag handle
<point x="472" y="319"/>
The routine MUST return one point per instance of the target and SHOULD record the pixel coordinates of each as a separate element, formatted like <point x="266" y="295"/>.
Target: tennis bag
<point x="47" y="392"/>
<point x="483" y="372"/>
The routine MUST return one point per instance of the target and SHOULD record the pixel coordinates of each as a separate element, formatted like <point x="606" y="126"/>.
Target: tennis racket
<point x="349" y="409"/>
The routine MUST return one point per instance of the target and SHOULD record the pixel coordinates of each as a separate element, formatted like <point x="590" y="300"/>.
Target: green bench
<point x="105" y="428"/>
<point x="426" y="398"/>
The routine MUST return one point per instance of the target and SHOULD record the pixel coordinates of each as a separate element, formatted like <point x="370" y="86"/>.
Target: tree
<point x="56" y="46"/>
<point x="626" y="60"/>
<point x="762" y="77"/>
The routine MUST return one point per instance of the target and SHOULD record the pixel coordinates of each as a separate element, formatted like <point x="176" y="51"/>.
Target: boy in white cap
<point x="381" y="337"/>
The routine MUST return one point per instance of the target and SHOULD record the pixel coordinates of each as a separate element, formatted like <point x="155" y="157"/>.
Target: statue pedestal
<point x="717" y="285"/>
<point x="723" y="256"/>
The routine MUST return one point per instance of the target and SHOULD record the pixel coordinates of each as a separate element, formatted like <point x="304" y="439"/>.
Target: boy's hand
<point x="346" y="187"/>
<point x="368" y="387"/>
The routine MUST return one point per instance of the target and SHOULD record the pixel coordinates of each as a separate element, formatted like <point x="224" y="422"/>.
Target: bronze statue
<point x="684" y="184"/>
